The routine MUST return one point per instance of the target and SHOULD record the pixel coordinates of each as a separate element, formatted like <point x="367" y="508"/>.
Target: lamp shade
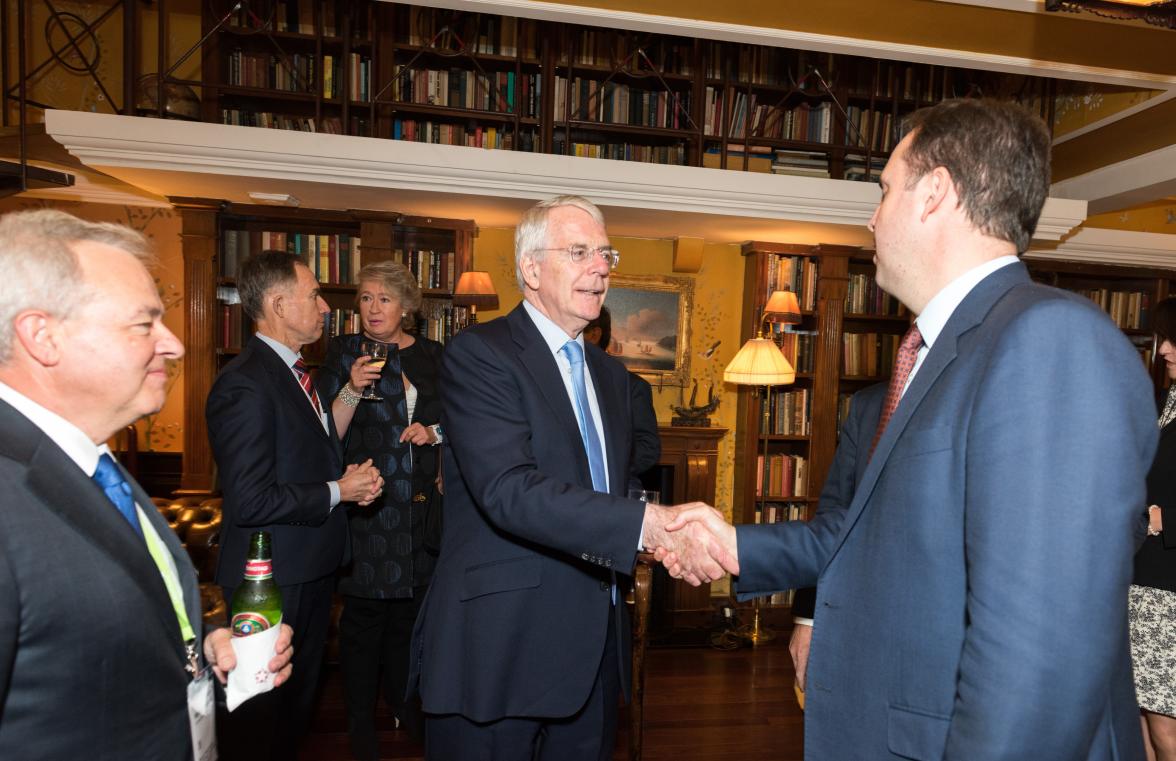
<point x="759" y="363"/>
<point x="782" y="306"/>
<point x="474" y="288"/>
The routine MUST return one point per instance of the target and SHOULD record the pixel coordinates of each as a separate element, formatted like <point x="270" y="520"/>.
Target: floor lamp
<point x="761" y="364"/>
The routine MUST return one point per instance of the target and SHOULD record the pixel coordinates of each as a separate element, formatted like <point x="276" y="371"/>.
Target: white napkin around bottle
<point x="252" y="675"/>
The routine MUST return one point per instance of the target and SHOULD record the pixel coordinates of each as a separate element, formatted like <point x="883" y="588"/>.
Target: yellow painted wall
<point x="718" y="305"/>
<point x="1085" y="103"/>
<point x="1148" y="218"/>
<point x="163" y="431"/>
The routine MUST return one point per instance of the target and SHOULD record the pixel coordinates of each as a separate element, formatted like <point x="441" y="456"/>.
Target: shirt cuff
<point x="802" y="621"/>
<point x="334" y="487"/>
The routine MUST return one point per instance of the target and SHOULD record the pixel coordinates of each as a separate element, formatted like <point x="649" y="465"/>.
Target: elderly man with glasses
<point x="522" y="646"/>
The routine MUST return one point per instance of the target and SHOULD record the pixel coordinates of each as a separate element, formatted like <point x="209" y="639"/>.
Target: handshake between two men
<point x="691" y="540"/>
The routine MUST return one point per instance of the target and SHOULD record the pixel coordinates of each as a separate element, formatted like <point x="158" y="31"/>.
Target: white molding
<point x="758" y="35"/>
<point x="109" y="142"/>
<point x="1135" y="180"/>
<point x="1122" y="247"/>
<point x="1164" y="96"/>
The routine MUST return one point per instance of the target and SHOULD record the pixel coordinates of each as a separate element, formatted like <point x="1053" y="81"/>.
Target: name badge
<point x="202" y="717"/>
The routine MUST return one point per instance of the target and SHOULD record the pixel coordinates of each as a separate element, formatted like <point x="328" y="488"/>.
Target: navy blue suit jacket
<point x="274" y="459"/>
<point x="972" y="603"/>
<point x="514" y="623"/>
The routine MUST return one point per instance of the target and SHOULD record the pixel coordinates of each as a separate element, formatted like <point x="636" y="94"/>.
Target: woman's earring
<point x="403" y="315"/>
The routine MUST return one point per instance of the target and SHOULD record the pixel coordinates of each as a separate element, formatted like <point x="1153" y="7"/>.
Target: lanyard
<point x="171" y="580"/>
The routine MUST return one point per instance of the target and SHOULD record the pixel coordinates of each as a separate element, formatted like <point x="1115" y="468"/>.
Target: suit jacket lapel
<point x="288" y="387"/>
<point x="541" y="365"/>
<point x="970" y="313"/>
<point x="66" y="491"/>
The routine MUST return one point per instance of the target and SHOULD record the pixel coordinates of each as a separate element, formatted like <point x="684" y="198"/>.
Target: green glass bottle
<point x="257" y="602"/>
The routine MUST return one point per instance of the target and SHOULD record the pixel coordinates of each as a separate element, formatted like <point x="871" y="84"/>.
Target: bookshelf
<point x="217" y="236"/>
<point x="436" y="75"/>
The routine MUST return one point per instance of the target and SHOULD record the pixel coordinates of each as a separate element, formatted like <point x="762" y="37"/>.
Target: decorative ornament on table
<point x="695" y="415"/>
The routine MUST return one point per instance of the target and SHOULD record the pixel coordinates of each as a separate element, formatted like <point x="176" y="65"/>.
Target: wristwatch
<point x="436" y="429"/>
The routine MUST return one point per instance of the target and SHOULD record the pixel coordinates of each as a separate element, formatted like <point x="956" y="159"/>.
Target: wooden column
<point x="199" y="240"/>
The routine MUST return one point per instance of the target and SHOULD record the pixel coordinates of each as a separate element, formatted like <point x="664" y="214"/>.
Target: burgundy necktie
<point x="904" y="362"/>
<point x="307" y="385"/>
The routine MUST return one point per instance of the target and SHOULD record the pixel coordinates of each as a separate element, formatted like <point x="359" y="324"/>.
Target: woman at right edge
<point x="1152" y="603"/>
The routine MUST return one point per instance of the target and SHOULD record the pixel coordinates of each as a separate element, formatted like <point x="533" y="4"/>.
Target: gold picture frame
<point x="651" y="325"/>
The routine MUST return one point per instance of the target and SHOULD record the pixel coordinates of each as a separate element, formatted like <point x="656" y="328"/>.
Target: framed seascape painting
<point x="651" y="325"/>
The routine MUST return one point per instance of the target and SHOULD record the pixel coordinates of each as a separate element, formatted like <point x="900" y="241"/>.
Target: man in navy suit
<point x="972" y="601"/>
<point x="100" y="623"/>
<point x="281" y="470"/>
<point x="521" y="648"/>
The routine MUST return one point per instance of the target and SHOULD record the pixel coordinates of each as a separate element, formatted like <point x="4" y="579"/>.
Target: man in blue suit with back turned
<point x="972" y="602"/>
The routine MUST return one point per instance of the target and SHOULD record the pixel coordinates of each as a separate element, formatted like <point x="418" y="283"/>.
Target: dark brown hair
<point x="998" y="156"/>
<point x="1163" y="320"/>
<point x="261" y="273"/>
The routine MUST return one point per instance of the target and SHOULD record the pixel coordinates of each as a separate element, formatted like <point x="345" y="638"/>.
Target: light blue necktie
<point x="110" y="478"/>
<point x="575" y="354"/>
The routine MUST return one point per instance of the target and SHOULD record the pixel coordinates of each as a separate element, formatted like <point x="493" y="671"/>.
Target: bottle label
<point x="256" y="570"/>
<point x="248" y="623"/>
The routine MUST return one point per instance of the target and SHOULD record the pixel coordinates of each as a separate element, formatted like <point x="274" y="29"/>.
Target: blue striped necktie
<point x="575" y="354"/>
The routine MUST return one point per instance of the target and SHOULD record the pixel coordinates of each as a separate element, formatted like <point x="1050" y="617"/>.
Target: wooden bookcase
<point x="399" y="71"/>
<point x="216" y="233"/>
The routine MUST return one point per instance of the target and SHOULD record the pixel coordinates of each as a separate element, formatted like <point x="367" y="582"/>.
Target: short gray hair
<point x="531" y="234"/>
<point x="41" y="269"/>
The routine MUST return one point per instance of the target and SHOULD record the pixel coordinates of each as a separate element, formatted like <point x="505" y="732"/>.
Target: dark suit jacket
<point x="515" y="621"/>
<point x="972" y="601"/>
<point x="646" y="439"/>
<point x="849" y="463"/>
<point x="91" y="656"/>
<point x="275" y="459"/>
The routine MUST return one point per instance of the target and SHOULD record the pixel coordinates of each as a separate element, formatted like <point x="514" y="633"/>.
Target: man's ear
<point x="530" y="270"/>
<point x="278" y="304"/>
<point x="935" y="188"/>
<point x="39" y="334"/>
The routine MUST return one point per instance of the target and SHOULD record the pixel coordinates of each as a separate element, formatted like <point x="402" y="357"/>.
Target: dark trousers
<point x="272" y="725"/>
<point x="587" y="735"/>
<point x="374" y="638"/>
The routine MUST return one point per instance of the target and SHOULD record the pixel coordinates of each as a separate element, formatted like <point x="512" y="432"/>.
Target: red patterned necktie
<point x="307" y="385"/>
<point x="904" y="362"/>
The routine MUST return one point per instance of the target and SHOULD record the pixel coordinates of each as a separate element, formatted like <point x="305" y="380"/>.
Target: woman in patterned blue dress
<point x="394" y="541"/>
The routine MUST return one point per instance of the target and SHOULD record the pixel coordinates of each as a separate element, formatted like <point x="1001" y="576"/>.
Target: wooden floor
<point x="701" y="704"/>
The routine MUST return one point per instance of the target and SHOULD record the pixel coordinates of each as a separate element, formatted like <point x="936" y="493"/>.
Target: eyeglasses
<point x="580" y="254"/>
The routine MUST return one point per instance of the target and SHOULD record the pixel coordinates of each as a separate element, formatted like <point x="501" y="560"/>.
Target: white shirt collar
<point x="940" y="308"/>
<point x="283" y="351"/>
<point x="553" y="335"/>
<point x="72" y="440"/>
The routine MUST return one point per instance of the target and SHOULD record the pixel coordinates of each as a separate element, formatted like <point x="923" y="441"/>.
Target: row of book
<point x="331" y="125"/>
<point x="789" y="413"/>
<point x="433" y="269"/>
<point x="911" y="82"/>
<point x="650" y="154"/>
<point x="1128" y="309"/>
<point x="494" y="35"/>
<point x="613" y="103"/>
<point x="500" y="92"/>
<point x="298" y="72"/>
<point x="332" y="258"/>
<point x="803" y="122"/>
<point x="858" y="168"/>
<point x="799" y="346"/>
<point x="866" y="128"/>
<point x="605" y="48"/>
<point x="298" y="17"/>
<point x="473" y="136"/>
<point x="863" y="296"/>
<point x="868" y="355"/>
<point x="762" y="65"/>
<point x="793" y="273"/>
<point x="785" y="477"/>
<point x="440" y="320"/>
